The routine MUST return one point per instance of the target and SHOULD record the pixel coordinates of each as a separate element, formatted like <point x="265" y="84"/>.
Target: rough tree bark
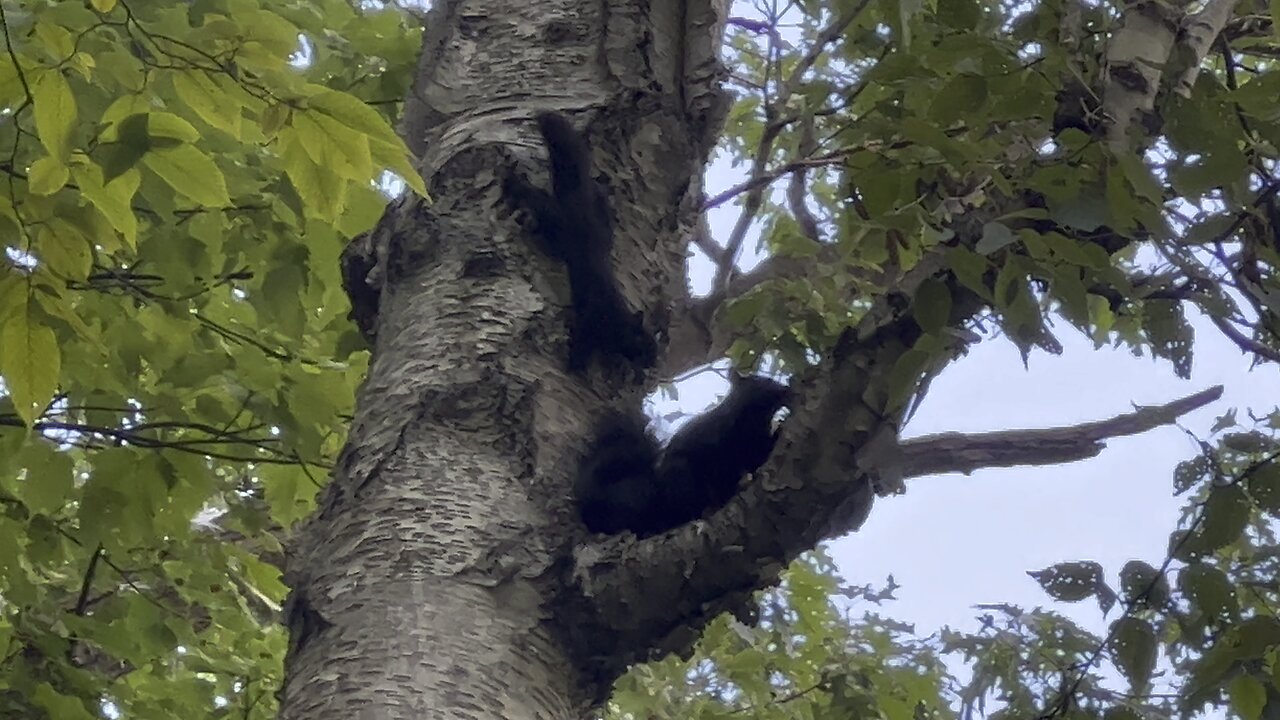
<point x="444" y="573"/>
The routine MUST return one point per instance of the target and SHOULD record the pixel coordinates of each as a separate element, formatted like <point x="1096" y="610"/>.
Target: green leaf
<point x="12" y="91"/>
<point x="1143" y="585"/>
<point x="971" y="270"/>
<point x="290" y="493"/>
<point x="55" y="112"/>
<point x="1133" y="646"/>
<point x="168" y="125"/>
<point x="209" y="101"/>
<point x="399" y="161"/>
<point x="906" y="374"/>
<point x="1141" y="178"/>
<point x="1248" y="697"/>
<point x="1169" y="333"/>
<point x="146" y="623"/>
<point x="57" y="40"/>
<point x="320" y="188"/>
<point x="385" y="146"/>
<point x="1210" y="591"/>
<point x="108" y="513"/>
<point x="1226" y="515"/>
<point x="57" y="705"/>
<point x="1124" y="207"/>
<point x="355" y="114"/>
<point x="1255" y="637"/>
<point x="1071" y="293"/>
<point x="1086" y="211"/>
<point x="274" y="118"/>
<point x="49" y="483"/>
<point x="130" y="144"/>
<point x="30" y="361"/>
<point x="90" y="223"/>
<point x="962" y="96"/>
<point x="932" y="306"/>
<point x="1010" y="284"/>
<point x="1102" y="317"/>
<point x="192" y="173"/>
<point x="1264" y="487"/>
<point x="278" y="36"/>
<point x="1190" y="473"/>
<point x="47" y="175"/>
<point x="66" y="250"/>
<point x="1070" y="582"/>
<point x="283" y="289"/>
<point x="365" y="206"/>
<point x="333" y="145"/>
<point x="114" y="199"/>
<point x="995" y="235"/>
<point x="1222" y="166"/>
<point x="265" y="578"/>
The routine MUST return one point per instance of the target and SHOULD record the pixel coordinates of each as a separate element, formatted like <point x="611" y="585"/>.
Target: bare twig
<point x="1244" y="342"/>
<point x="796" y="189"/>
<point x="774" y="125"/>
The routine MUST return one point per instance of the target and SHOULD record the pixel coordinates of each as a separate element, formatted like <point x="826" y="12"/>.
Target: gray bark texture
<point x="445" y="573"/>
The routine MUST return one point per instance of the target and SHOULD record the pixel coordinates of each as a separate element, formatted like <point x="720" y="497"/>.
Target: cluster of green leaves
<point x="805" y="659"/>
<point x="1203" y="624"/>
<point x="178" y="180"/>
<point x="925" y="115"/>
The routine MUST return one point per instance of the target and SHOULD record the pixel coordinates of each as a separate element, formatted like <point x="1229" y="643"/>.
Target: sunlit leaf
<point x="55" y="112"/>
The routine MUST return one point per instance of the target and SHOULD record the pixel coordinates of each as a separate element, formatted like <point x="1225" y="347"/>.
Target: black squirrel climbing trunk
<point x="436" y="577"/>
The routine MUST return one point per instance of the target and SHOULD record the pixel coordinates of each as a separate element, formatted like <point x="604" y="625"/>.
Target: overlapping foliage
<point x="179" y="178"/>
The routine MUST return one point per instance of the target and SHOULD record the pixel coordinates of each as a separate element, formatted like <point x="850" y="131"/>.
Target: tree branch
<point x="1199" y="33"/>
<point x="820" y="481"/>
<point x="966" y="452"/>
<point x="1244" y="342"/>
<point x="1135" y="59"/>
<point x="773" y="126"/>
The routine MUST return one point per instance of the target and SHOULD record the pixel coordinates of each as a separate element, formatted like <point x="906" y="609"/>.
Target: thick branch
<point x="966" y="452"/>
<point x="820" y="482"/>
<point x="1199" y="33"/>
<point x="1136" y="56"/>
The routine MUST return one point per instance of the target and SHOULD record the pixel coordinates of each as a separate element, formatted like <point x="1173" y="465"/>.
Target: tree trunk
<point x="435" y="579"/>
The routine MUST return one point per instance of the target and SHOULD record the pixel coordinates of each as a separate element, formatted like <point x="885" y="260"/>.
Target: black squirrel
<point x="573" y="220"/>
<point x="625" y="483"/>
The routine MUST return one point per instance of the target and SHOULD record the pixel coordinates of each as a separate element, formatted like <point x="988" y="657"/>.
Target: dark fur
<point x="621" y="487"/>
<point x="617" y="482"/>
<point x="573" y="220"/>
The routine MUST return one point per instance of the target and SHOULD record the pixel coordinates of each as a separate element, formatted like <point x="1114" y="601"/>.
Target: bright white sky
<point x="954" y="541"/>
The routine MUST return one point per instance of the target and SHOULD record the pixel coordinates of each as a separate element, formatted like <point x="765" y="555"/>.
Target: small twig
<point x="1244" y="342"/>
<point x="82" y="602"/>
<point x="773" y="126"/>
